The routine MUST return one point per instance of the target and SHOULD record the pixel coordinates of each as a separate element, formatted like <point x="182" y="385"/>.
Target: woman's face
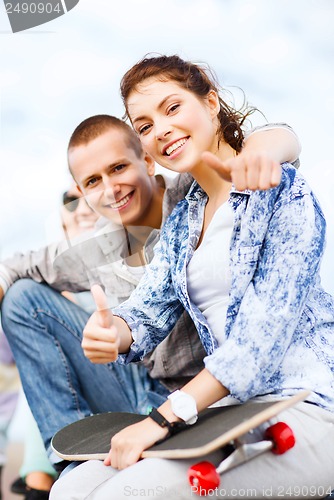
<point x="77" y="217"/>
<point x="174" y="125"/>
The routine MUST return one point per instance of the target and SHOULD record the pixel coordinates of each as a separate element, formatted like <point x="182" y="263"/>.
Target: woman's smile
<point x="173" y="149"/>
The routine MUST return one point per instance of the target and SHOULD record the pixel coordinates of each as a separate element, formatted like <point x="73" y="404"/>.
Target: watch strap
<point x="173" y="427"/>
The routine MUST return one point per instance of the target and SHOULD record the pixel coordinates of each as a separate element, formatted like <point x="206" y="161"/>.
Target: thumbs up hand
<point x="248" y="170"/>
<point x="100" y="336"/>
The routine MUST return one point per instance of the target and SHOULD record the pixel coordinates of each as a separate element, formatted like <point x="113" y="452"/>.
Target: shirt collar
<point x="196" y="191"/>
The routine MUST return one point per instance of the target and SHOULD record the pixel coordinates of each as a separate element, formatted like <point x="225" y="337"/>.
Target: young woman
<point x="245" y="265"/>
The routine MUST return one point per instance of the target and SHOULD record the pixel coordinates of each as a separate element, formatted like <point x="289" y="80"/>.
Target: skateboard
<point x="218" y="427"/>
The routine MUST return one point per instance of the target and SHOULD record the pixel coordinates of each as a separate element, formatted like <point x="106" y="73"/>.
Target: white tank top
<point x="208" y="272"/>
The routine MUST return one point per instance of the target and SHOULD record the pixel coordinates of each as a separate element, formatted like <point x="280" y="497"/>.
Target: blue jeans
<point x="44" y="331"/>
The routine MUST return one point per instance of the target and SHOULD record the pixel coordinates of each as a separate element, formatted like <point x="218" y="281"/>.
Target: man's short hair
<point x="93" y="127"/>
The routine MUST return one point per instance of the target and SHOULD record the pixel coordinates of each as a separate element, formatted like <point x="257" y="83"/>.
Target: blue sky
<point x="280" y="52"/>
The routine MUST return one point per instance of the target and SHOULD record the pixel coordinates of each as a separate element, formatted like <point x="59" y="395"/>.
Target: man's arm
<point x="257" y="166"/>
<point x="56" y="265"/>
<point x="278" y="140"/>
<point x="105" y="335"/>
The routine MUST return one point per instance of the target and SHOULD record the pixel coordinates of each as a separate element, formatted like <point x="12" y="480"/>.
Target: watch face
<point x="183" y="403"/>
<point x="184" y="406"/>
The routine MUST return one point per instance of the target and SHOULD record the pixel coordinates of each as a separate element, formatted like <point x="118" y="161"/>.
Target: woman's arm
<point x="128" y="445"/>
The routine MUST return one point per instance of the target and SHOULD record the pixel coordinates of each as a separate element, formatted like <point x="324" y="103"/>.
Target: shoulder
<point x="292" y="195"/>
<point x="293" y="184"/>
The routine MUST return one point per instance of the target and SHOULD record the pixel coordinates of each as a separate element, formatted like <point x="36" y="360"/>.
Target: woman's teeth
<point x="174" y="146"/>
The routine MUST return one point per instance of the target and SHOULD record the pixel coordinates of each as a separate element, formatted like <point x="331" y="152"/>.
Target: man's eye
<point x="91" y="182"/>
<point x="118" y="168"/>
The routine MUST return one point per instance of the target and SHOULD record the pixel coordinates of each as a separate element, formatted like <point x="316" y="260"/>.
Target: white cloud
<point x="68" y="70"/>
<point x="274" y="50"/>
<point x="9" y="77"/>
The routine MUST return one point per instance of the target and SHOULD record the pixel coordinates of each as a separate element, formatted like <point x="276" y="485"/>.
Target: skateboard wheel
<point x="282" y="437"/>
<point x="203" y="478"/>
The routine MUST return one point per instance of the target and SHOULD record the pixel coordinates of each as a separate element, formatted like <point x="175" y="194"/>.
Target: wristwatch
<point x="173" y="427"/>
<point x="184" y="406"/>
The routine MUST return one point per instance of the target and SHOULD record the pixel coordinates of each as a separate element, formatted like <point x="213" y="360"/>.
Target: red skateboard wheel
<point x="282" y="437"/>
<point x="203" y="478"/>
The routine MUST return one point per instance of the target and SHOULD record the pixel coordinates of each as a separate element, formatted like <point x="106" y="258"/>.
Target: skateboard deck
<point x="89" y="438"/>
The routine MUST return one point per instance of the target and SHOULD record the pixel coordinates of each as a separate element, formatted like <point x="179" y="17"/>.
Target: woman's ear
<point x="213" y="103"/>
<point x="150" y="164"/>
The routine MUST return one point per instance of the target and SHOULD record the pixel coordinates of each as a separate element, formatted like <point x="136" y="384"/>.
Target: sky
<point x="280" y="52"/>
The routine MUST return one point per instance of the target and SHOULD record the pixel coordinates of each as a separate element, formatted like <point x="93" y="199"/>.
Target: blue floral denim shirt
<point x="279" y="332"/>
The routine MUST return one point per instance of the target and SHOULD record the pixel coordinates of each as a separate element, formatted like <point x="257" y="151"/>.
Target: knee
<point x="57" y="491"/>
<point x="17" y="298"/>
<point x="17" y="291"/>
<point x="68" y="487"/>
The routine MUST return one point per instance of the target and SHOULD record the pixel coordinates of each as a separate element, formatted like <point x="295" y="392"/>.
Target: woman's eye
<point x="173" y="108"/>
<point x="143" y="129"/>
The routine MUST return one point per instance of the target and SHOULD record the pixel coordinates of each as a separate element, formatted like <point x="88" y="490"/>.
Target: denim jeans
<point x="44" y="330"/>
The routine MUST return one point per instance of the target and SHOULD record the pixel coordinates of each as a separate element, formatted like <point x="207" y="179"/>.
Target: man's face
<point x="116" y="183"/>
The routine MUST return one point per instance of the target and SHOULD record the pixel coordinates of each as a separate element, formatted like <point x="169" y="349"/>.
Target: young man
<point x="45" y="330"/>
